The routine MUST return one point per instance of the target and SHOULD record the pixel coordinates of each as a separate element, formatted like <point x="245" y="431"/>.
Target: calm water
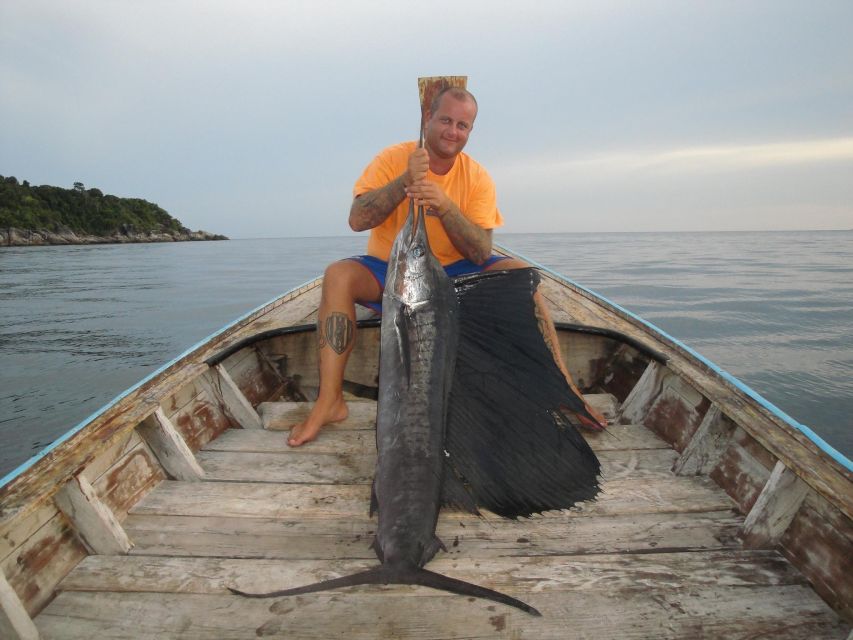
<point x="78" y="325"/>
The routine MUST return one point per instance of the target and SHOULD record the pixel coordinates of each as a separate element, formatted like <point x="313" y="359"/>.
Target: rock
<point x="12" y="237"/>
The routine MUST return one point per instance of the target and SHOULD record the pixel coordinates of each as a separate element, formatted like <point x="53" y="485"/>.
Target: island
<point x="45" y="215"/>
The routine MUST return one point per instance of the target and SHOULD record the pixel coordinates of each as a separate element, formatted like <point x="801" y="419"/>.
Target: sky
<point x="254" y="118"/>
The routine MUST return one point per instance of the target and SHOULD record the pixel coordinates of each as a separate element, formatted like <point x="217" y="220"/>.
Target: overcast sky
<point x="255" y="118"/>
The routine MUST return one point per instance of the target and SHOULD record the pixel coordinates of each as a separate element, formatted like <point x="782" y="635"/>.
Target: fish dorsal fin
<point x="511" y="437"/>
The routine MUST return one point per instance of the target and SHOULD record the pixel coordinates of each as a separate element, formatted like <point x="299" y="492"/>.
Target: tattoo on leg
<point x="338" y="332"/>
<point x="546" y="334"/>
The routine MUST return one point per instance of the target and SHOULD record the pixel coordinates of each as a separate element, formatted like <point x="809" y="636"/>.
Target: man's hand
<point x="430" y="196"/>
<point x="417" y="167"/>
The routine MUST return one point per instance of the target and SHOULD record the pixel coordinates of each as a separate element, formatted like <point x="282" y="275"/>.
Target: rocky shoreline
<point x="12" y="237"/>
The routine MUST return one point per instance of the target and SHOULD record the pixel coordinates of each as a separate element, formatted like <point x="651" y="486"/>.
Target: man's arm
<point x="472" y="241"/>
<point x="373" y="208"/>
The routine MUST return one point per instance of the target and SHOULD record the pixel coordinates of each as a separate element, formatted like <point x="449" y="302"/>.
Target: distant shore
<point x="12" y="237"/>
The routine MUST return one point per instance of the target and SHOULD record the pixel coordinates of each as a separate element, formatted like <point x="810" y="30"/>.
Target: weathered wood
<point x="96" y="525"/>
<point x="236" y="404"/>
<point x="15" y="622"/>
<point x="347" y="438"/>
<point x="622" y="496"/>
<point x="608" y="573"/>
<point x="775" y="508"/>
<point x="819" y="541"/>
<point x="204" y="418"/>
<point x="302" y="465"/>
<point x="648" y="387"/>
<point x="254" y="380"/>
<point x="32" y="489"/>
<point x="128" y="479"/>
<point x="121" y="447"/>
<point x="281" y="416"/>
<point x="388" y="612"/>
<point x="707" y="445"/>
<point x="170" y="448"/>
<point x="605" y="403"/>
<point x="465" y="536"/>
<point x="16" y="531"/>
<point x="743" y="469"/>
<point x="42" y="559"/>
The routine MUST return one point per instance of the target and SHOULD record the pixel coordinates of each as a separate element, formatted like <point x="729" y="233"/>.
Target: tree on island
<point x="84" y="212"/>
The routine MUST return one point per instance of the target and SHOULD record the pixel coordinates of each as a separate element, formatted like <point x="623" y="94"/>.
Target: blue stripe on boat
<point x="14" y="473"/>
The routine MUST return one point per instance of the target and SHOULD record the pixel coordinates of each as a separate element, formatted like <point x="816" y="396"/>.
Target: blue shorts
<point x="378" y="268"/>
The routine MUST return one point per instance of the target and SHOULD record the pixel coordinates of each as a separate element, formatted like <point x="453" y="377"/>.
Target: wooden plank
<point x="779" y="612"/>
<point x="182" y="397"/>
<point x="254" y="380"/>
<point x="624" y="437"/>
<point x="707" y="445"/>
<point x="40" y="561"/>
<point x="281" y="416"/>
<point x="15" y="622"/>
<point x="96" y="525"/>
<point x="743" y="469"/>
<point x="302" y="465"/>
<point x="819" y="541"/>
<point x="606" y="403"/>
<point x="465" y="536"/>
<point x="170" y="448"/>
<point x="204" y="418"/>
<point x="625" y="496"/>
<point x="775" y="508"/>
<point x="37" y="486"/>
<point x="15" y="531"/>
<point x="609" y="572"/>
<point x="348" y="438"/>
<point x="128" y="479"/>
<point x="648" y="387"/>
<point x="236" y="404"/>
<point x="119" y="449"/>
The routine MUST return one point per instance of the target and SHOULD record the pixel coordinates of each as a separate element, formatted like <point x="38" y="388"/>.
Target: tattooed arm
<point x="472" y="241"/>
<point x="373" y="208"/>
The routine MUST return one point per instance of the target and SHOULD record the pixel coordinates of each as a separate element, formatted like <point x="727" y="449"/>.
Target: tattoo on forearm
<point x="471" y="241"/>
<point x="337" y="331"/>
<point x="372" y="208"/>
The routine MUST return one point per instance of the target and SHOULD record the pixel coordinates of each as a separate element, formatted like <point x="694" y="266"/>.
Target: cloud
<point x="689" y="160"/>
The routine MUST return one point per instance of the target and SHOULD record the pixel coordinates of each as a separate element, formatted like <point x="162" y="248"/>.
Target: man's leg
<point x="549" y="331"/>
<point x="343" y="283"/>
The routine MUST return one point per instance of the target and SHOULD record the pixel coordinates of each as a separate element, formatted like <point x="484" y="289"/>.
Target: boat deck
<point x="656" y="556"/>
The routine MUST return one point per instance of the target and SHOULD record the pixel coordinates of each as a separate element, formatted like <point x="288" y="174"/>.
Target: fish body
<point x="419" y="337"/>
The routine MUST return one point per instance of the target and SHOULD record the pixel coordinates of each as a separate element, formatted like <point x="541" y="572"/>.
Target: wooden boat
<point x="720" y="517"/>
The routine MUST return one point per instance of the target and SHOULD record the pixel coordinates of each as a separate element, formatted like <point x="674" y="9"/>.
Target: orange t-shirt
<point x="467" y="184"/>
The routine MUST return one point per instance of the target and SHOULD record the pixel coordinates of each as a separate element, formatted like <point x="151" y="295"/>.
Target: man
<point x="459" y="197"/>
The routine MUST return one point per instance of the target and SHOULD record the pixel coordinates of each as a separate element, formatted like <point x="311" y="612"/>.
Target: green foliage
<point x="83" y="211"/>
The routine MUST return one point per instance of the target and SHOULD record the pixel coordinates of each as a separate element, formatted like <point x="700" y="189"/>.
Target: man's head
<point x="449" y="122"/>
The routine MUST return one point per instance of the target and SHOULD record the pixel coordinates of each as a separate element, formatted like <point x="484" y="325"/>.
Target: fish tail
<point x="434" y="580"/>
<point x="383" y="575"/>
<point x="376" y="575"/>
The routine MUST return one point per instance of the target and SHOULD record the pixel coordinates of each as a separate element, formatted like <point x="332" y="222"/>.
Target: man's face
<point x="448" y="128"/>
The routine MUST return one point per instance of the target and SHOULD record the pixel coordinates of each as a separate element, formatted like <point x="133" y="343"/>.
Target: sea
<point x="80" y="324"/>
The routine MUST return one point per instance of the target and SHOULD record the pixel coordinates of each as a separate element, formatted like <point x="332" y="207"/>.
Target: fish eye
<point x="418" y="250"/>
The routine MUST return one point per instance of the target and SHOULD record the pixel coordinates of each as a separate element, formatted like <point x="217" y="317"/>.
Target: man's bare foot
<point x="320" y="416"/>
